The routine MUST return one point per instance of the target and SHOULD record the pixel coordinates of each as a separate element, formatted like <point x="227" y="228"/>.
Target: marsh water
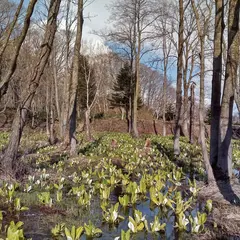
<point x="38" y="222"/>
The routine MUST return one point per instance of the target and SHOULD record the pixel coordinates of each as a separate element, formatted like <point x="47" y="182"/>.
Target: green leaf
<point x="79" y="232"/>
<point x="68" y="234"/>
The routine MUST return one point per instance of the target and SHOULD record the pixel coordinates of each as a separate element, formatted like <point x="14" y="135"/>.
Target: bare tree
<point x="10" y="155"/>
<point x="224" y="162"/>
<point x="179" y="79"/>
<point x="4" y="82"/>
<point x="216" y="81"/>
<point x="202" y="27"/>
<point x="164" y="27"/>
<point x="70" y="19"/>
<point x="4" y="44"/>
<point x="87" y="89"/>
<point x="132" y="23"/>
<point x="70" y="112"/>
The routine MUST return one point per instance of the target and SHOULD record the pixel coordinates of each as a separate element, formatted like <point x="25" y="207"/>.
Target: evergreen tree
<point x="121" y="88"/>
<point x="122" y="92"/>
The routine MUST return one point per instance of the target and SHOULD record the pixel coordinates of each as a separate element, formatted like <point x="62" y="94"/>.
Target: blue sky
<point x="96" y="16"/>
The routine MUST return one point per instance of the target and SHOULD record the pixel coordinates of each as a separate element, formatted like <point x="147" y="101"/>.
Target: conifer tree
<point x="122" y="88"/>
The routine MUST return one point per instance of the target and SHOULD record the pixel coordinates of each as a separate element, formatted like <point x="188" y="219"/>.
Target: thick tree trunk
<point x="179" y="80"/>
<point x="216" y="81"/>
<point x="224" y="163"/>
<point x="237" y="92"/>
<point x="201" y="112"/>
<point x="10" y="154"/>
<point x="13" y="64"/>
<point x="201" y="36"/>
<point x="71" y="108"/>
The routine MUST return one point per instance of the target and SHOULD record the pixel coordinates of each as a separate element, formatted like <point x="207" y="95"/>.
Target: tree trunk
<point x="179" y="81"/>
<point x="33" y="114"/>
<point x="237" y="92"/>
<point x="87" y="124"/>
<point x="201" y="112"/>
<point x="13" y="64"/>
<point x="165" y="61"/>
<point x="185" y="93"/>
<point x="52" y="138"/>
<point x="130" y="112"/>
<point x="71" y="108"/>
<point x="123" y="111"/>
<point x="201" y="36"/>
<point x="72" y="129"/>
<point x="192" y="112"/>
<point x="185" y="112"/>
<point x="164" y="100"/>
<point x="56" y="87"/>
<point x="135" y="98"/>
<point x="137" y="50"/>
<point x="47" y="108"/>
<point x="65" y="105"/>
<point x="216" y="81"/>
<point x="225" y="150"/>
<point x="27" y="96"/>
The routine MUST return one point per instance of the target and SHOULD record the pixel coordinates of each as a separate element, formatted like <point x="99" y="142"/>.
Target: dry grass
<point x="224" y="221"/>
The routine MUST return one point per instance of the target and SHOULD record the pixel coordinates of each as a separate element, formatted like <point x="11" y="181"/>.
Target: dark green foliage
<point x="208" y="115"/>
<point x="87" y="83"/>
<point x="122" y="90"/>
<point x="170" y="111"/>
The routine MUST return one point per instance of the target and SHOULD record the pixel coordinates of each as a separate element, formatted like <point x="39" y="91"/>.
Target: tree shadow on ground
<point x="227" y="192"/>
<point x="189" y="167"/>
<point x="90" y="146"/>
<point x="224" y="186"/>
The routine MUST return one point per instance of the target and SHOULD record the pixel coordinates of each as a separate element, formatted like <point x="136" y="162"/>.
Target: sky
<point x="95" y="17"/>
<point x="98" y="17"/>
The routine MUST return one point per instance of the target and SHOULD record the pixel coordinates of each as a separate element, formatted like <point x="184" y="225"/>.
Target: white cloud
<point x="95" y="19"/>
